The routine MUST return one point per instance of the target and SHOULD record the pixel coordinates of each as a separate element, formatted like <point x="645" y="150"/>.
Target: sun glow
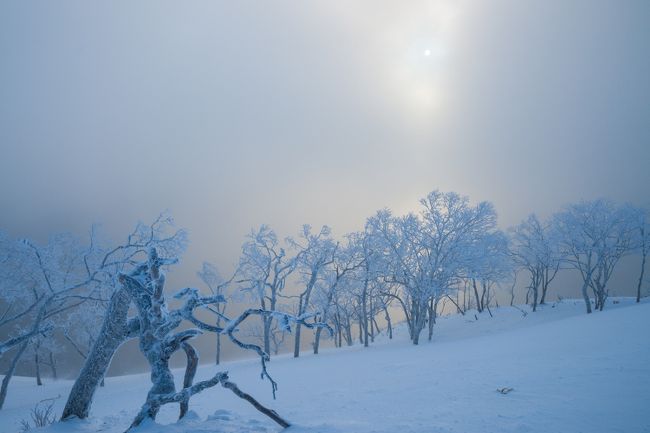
<point x="418" y="76"/>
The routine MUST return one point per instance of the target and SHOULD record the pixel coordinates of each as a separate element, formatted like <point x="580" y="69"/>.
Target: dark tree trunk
<point x="432" y="318"/>
<point x="317" y="341"/>
<point x="361" y="332"/>
<point x="372" y="324"/>
<point x="267" y="333"/>
<point x="348" y="332"/>
<point x="638" y="287"/>
<point x="10" y="372"/>
<point x="483" y="295"/>
<point x="218" y="355"/>
<point x="478" y="300"/>
<point x="389" y="323"/>
<point x="374" y="320"/>
<point x="53" y="366"/>
<point x="364" y="313"/>
<point x="37" y="365"/>
<point x="296" y="346"/>
<point x="339" y="330"/>
<point x="542" y="300"/>
<point x="585" y="295"/>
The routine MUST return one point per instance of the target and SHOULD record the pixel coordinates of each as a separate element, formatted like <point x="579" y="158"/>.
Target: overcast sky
<point x="232" y="114"/>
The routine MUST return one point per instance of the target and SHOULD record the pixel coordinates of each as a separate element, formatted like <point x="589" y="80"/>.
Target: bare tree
<point x="315" y="252"/>
<point x="217" y="285"/>
<point x="278" y="335"/>
<point x="641" y="225"/>
<point x="116" y="328"/>
<point x="53" y="278"/>
<point x="336" y="285"/>
<point x="428" y="254"/>
<point x="263" y="270"/>
<point x="536" y="250"/>
<point x="594" y="235"/>
<point x="491" y="264"/>
<point x="159" y="338"/>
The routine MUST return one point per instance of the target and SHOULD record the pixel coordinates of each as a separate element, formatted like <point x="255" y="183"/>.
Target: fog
<point x="234" y="114"/>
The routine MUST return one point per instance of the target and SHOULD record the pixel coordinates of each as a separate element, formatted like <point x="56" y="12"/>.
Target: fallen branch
<point x="256" y="404"/>
<point x="157" y="400"/>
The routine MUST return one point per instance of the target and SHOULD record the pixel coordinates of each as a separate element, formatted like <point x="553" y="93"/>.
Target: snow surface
<point x="571" y="372"/>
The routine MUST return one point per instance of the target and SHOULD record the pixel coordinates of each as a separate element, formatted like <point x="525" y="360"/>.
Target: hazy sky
<point x="232" y="114"/>
<point x="236" y="113"/>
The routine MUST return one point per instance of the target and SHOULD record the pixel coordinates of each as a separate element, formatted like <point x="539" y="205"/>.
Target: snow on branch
<point x="284" y="321"/>
<point x="159" y="341"/>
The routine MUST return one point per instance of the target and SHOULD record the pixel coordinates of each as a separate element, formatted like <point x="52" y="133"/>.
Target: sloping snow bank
<point x="571" y="372"/>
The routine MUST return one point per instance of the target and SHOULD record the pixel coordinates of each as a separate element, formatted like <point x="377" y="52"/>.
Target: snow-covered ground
<point x="571" y="372"/>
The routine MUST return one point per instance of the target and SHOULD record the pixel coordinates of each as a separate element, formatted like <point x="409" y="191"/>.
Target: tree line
<point x="73" y="295"/>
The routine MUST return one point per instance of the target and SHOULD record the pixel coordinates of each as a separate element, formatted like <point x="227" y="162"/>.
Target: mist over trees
<point x="75" y="296"/>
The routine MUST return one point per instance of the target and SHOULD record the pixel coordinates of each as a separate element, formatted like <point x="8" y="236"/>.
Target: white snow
<point x="571" y="372"/>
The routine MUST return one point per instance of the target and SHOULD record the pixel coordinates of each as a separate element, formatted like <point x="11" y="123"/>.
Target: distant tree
<point x="368" y="281"/>
<point x="333" y="293"/>
<point x="217" y="286"/>
<point x="593" y="237"/>
<point x="640" y="220"/>
<point x="42" y="282"/>
<point x="278" y="335"/>
<point x="428" y="254"/>
<point x="315" y="251"/>
<point x="263" y="271"/>
<point x="513" y="285"/>
<point x="491" y="264"/>
<point x="536" y="250"/>
<point x="41" y="352"/>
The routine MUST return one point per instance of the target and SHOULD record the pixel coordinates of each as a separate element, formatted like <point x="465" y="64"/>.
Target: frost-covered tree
<point x="593" y="237"/>
<point x="217" y="286"/>
<point x="427" y="254"/>
<point x="405" y="264"/>
<point x="335" y="288"/>
<point x="491" y="264"/>
<point x="40" y="283"/>
<point x="536" y="249"/>
<point x="367" y="277"/>
<point x="159" y="338"/>
<point x="640" y="224"/>
<point x="20" y="298"/>
<point x="263" y="270"/>
<point x="343" y="309"/>
<point x="278" y="335"/>
<point x="41" y="352"/>
<point x="315" y="251"/>
<point x="105" y="265"/>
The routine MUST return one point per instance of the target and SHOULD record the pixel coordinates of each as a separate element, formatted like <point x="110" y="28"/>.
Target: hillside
<point x="570" y="372"/>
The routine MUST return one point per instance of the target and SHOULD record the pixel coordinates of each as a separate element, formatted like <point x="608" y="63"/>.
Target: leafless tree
<point x="263" y="271"/>
<point x="159" y="338"/>
<point x="594" y="235"/>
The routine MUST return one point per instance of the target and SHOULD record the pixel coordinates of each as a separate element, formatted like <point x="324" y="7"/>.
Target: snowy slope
<point x="571" y="372"/>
